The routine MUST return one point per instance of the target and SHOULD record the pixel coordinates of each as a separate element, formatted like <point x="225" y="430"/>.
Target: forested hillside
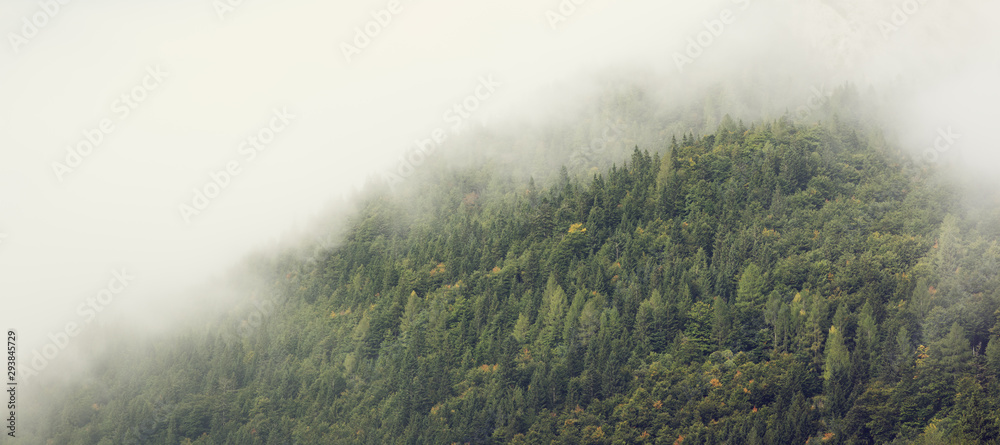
<point x="770" y="283"/>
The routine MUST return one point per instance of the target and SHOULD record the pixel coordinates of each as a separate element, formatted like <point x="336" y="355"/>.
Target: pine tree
<point x="835" y="371"/>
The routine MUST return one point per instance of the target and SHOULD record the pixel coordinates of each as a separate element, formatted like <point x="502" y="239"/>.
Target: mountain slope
<point x="770" y="284"/>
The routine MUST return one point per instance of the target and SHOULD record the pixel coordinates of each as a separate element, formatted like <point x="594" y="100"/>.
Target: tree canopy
<point x="780" y="283"/>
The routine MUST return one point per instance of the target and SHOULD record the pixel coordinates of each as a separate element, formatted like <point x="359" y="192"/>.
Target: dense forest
<point x="777" y="282"/>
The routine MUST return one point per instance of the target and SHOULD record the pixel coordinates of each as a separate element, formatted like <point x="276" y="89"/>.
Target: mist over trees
<point x="557" y="221"/>
<point x="780" y="280"/>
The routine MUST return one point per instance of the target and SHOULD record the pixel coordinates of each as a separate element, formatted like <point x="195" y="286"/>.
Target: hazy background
<point x="61" y="240"/>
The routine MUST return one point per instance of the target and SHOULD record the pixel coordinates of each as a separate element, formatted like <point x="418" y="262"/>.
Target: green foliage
<point x="771" y="284"/>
